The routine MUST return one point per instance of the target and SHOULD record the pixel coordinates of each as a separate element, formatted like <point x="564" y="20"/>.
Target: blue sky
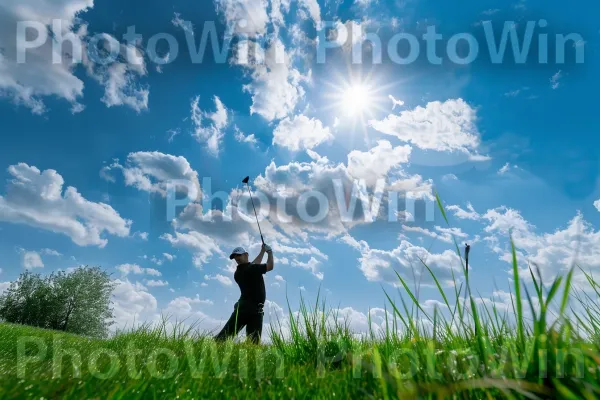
<point x="87" y="150"/>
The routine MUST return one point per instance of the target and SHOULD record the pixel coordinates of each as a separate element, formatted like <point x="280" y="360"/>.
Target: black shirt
<point x="249" y="278"/>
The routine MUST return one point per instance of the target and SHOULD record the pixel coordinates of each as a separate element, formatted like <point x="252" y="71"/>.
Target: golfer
<point x="248" y="311"/>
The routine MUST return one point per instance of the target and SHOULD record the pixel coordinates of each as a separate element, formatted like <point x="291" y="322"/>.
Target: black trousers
<point x="250" y="318"/>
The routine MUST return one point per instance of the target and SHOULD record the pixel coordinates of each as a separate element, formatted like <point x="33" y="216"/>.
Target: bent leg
<point x="232" y="327"/>
<point x="254" y="328"/>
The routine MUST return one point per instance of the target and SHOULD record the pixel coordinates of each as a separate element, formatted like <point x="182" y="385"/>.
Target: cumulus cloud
<point x="377" y="162"/>
<point x="597" y="205"/>
<point x="135" y="269"/>
<point x="446" y="235"/>
<point x="313" y="9"/>
<point x="311" y="265"/>
<point x="301" y="133"/>
<point x="382" y="265"/>
<point x="448" y="127"/>
<point x="120" y="77"/>
<point x="555" y="253"/>
<point x="242" y="138"/>
<point x="156" y="283"/>
<point x="152" y="171"/>
<point x="132" y="304"/>
<point x="36" y="198"/>
<point x="247" y="17"/>
<point x="201" y="246"/>
<point x="29" y="83"/>
<point x="349" y="195"/>
<point x="187" y="308"/>
<point x="50" y="252"/>
<point x="276" y="85"/>
<point x="31" y="260"/>
<point x="169" y="257"/>
<point x="223" y="280"/>
<point x="211" y="133"/>
<point x="460" y="213"/>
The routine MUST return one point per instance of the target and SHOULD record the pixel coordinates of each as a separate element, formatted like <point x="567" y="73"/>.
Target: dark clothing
<point x="238" y="320"/>
<point x="249" y="278"/>
<point x="248" y="311"/>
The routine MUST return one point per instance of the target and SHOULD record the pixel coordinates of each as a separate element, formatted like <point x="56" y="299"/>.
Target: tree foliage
<point x="76" y="302"/>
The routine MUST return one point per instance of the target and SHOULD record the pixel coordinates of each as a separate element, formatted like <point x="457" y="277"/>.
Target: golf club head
<point x="246" y="179"/>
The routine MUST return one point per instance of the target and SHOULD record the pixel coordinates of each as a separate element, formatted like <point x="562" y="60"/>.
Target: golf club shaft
<point x="255" y="214"/>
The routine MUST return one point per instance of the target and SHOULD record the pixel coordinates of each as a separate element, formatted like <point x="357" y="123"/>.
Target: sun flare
<point x="357" y="100"/>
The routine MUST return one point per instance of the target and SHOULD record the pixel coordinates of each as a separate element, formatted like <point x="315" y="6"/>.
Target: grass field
<point x="469" y="350"/>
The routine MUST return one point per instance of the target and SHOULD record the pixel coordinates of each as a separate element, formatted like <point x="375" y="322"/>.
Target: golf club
<point x="246" y="180"/>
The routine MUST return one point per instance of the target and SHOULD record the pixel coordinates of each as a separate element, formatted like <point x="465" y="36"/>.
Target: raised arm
<point x="270" y="262"/>
<point x="260" y="256"/>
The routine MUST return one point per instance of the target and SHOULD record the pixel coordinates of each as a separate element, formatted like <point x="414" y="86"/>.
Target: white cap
<point x="237" y="251"/>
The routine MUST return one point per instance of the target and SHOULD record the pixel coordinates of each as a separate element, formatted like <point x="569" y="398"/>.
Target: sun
<point x="358" y="100"/>
<point x="355" y="98"/>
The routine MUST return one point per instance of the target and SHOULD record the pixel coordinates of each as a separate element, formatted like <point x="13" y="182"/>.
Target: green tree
<point x="76" y="302"/>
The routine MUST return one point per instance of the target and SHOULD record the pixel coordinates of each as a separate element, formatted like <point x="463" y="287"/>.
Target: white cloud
<point x="201" y="246"/>
<point x="506" y="168"/>
<point x="142" y="235"/>
<point x="36" y="198"/>
<point x="156" y="283"/>
<point x="464" y="214"/>
<point x="597" y="205"/>
<point x="169" y="257"/>
<point x="446" y="235"/>
<point x="133" y="304"/>
<point x="555" y="253"/>
<point x="313" y="8"/>
<point x="377" y="162"/>
<point x="30" y="82"/>
<point x="152" y="171"/>
<point x="185" y="308"/>
<point x="50" y="252"/>
<point x="135" y="269"/>
<point x="380" y="265"/>
<point x="242" y="138"/>
<point x="449" y="178"/>
<point x="223" y="280"/>
<point x="210" y="134"/>
<point x="311" y="265"/>
<point x="31" y="260"/>
<point x="448" y="126"/>
<point x="279" y="278"/>
<point x="276" y="85"/>
<point x="288" y="183"/>
<point x="301" y="133"/>
<point x="120" y="78"/>
<point x="247" y="17"/>
<point x="179" y="22"/>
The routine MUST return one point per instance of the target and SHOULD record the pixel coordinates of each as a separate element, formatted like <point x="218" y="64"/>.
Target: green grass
<point x="458" y="354"/>
<point x="547" y="346"/>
